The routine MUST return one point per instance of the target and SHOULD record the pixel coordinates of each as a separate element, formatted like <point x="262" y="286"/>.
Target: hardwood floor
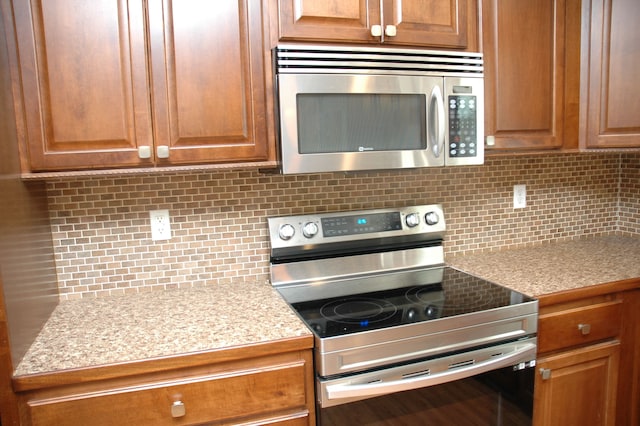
<point x="466" y="402"/>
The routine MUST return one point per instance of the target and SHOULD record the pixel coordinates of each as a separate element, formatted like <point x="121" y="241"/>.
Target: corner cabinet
<point x="139" y="83"/>
<point x="611" y="56"/>
<point x="579" y="350"/>
<point x="276" y="388"/>
<point x="587" y="358"/>
<point x="531" y="57"/>
<point x="426" y="23"/>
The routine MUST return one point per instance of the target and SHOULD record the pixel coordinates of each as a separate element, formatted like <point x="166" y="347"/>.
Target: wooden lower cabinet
<point x="270" y="390"/>
<point x="588" y="358"/>
<point x="578" y="387"/>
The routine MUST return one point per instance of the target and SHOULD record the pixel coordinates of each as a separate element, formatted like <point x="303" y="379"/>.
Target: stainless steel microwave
<point x="349" y="109"/>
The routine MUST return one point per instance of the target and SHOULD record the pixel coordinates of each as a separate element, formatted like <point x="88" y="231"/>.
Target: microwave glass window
<point x="347" y="122"/>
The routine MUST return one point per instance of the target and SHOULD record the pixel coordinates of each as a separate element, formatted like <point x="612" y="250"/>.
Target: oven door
<point x="499" y="397"/>
<point x="487" y="386"/>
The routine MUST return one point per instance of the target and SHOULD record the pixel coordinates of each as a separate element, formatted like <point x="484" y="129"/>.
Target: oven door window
<point x="501" y="397"/>
<point x="349" y="122"/>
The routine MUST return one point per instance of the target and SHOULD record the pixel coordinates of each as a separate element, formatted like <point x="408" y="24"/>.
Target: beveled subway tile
<point x="218" y="219"/>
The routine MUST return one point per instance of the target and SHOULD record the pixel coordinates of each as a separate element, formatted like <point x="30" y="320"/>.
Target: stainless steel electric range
<point x="387" y="314"/>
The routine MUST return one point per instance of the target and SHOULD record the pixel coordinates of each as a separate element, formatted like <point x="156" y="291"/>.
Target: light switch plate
<point x="160" y="225"/>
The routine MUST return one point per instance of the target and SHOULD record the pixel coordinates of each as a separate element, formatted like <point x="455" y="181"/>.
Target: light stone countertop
<point x="116" y="329"/>
<point x="554" y="267"/>
<point x="94" y="332"/>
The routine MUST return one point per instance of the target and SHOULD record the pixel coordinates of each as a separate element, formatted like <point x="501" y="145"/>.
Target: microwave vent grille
<point x="370" y="60"/>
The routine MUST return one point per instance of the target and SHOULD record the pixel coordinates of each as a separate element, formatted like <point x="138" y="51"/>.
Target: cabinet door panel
<point x="332" y="20"/>
<point x="614" y="98"/>
<point x="428" y="23"/>
<point x="209" y="88"/>
<point x="84" y="77"/>
<point x="524" y="73"/>
<point x="581" y="388"/>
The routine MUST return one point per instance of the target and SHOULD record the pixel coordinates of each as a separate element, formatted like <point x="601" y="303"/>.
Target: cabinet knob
<point x="144" y="152"/>
<point x="545" y="373"/>
<point x="376" y="30"/>
<point x="390" y="31"/>
<point x="491" y="140"/>
<point x="584" y="329"/>
<point x="178" y="409"/>
<point x="162" y="151"/>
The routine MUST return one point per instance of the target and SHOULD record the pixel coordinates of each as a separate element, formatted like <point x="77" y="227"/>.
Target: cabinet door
<point x="331" y="20"/>
<point x="580" y="388"/>
<point x="209" y="83"/>
<point x="437" y="23"/>
<point x="430" y="23"/>
<point x="84" y="82"/>
<point x="612" y="120"/>
<point x="524" y="46"/>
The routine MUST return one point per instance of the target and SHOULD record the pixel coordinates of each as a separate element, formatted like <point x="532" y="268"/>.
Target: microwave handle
<point x="436" y="121"/>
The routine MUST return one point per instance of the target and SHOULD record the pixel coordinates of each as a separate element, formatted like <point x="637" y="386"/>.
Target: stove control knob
<point x="412" y="315"/>
<point x="431" y="218"/>
<point x="431" y="312"/>
<point x="286" y="232"/>
<point x="310" y="229"/>
<point x="412" y="219"/>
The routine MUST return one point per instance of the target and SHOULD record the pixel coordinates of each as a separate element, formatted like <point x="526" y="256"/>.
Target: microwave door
<point x="338" y="122"/>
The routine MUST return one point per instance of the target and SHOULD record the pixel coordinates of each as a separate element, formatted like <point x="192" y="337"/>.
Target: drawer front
<point x="277" y="392"/>
<point x="578" y="326"/>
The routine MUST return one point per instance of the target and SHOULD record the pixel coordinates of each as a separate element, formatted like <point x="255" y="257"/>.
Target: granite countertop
<point x="93" y="332"/>
<point x="117" y="329"/>
<point x="555" y="267"/>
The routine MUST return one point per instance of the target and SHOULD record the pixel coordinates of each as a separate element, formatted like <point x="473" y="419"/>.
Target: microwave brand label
<point x="364" y="148"/>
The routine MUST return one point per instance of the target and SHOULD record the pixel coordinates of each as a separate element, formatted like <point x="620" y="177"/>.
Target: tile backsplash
<point x="102" y="236"/>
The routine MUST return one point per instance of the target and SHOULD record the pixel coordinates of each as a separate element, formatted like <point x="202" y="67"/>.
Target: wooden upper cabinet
<point x="101" y="83"/>
<point x="612" y="119"/>
<point x="425" y="23"/>
<point x="84" y="82"/>
<point x="208" y="79"/>
<point x="524" y="59"/>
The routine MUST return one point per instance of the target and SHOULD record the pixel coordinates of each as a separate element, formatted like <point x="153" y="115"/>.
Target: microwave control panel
<point x="463" y="129"/>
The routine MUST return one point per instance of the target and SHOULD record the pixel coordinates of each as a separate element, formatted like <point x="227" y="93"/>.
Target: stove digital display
<point x="360" y="224"/>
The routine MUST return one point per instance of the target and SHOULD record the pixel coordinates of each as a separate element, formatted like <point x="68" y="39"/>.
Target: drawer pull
<point x="178" y="409"/>
<point x="584" y="329"/>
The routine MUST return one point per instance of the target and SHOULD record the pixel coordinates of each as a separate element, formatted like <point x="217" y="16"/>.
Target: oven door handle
<point x="365" y="390"/>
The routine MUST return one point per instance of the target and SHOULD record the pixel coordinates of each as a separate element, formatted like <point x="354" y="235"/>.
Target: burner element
<point x="358" y="310"/>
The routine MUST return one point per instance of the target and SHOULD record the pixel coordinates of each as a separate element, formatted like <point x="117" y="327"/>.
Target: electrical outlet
<point x="160" y="225"/>
<point x="519" y="196"/>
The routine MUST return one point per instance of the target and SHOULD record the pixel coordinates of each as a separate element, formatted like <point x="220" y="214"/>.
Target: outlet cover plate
<point x="519" y="196"/>
<point x="160" y="225"/>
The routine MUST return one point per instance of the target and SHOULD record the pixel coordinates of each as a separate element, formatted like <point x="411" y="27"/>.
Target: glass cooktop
<point x="452" y="293"/>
